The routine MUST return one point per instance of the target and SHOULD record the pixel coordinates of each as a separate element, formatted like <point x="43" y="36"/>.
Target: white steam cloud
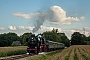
<point x="2" y="28"/>
<point x="22" y="15"/>
<point x="20" y="28"/>
<point x="12" y="28"/>
<point x="55" y="15"/>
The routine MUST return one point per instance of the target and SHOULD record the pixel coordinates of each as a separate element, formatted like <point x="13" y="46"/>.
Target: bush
<point x="3" y="54"/>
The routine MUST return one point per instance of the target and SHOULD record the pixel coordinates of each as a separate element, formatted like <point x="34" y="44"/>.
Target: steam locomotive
<point x="38" y="44"/>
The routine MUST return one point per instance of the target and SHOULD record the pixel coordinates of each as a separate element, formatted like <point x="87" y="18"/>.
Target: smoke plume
<point x="55" y="15"/>
<point x="40" y="18"/>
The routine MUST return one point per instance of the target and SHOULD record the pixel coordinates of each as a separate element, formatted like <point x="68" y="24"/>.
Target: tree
<point x="55" y="30"/>
<point x="64" y="38"/>
<point x="88" y="40"/>
<point x="78" y="39"/>
<point x="6" y="39"/>
<point x="52" y="35"/>
<point x="24" y="37"/>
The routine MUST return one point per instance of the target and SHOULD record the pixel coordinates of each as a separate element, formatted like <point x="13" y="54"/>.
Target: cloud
<point x="67" y="32"/>
<point x="29" y="28"/>
<point x="59" y="16"/>
<point x="2" y="28"/>
<point x="85" y="31"/>
<point x="45" y="28"/>
<point x="25" y="28"/>
<point x="82" y="18"/>
<point x="12" y="28"/>
<point x="55" y="15"/>
<point x="20" y="28"/>
<point x="22" y="15"/>
<point x="87" y="28"/>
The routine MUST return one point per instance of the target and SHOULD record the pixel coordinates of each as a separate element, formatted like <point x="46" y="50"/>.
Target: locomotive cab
<point x="43" y="47"/>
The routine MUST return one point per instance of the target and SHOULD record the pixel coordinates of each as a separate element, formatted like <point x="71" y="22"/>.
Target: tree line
<point x="77" y="38"/>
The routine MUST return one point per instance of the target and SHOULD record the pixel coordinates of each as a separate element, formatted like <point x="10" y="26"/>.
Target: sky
<point x="38" y="16"/>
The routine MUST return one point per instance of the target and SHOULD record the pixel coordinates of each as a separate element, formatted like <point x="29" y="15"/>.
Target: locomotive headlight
<point x="32" y="37"/>
<point x="35" y="47"/>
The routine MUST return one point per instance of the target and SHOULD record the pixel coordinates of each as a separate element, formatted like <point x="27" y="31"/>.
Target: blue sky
<point x="19" y="15"/>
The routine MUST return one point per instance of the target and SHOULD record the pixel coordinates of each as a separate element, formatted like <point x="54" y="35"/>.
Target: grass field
<point x="75" y="52"/>
<point x="9" y="51"/>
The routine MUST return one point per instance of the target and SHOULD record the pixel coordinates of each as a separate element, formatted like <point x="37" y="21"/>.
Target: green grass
<point x="85" y="57"/>
<point x="67" y="57"/>
<point x="75" y="55"/>
<point x="54" y="52"/>
<point x="45" y="56"/>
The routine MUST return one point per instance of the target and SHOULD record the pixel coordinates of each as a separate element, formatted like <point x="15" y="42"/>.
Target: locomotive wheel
<point x="36" y="52"/>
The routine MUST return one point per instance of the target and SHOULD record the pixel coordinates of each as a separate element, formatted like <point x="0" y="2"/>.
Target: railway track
<point x="16" y="57"/>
